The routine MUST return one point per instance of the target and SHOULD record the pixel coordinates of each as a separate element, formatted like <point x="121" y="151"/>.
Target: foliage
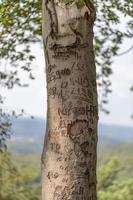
<point x="109" y="186"/>
<point x="20" y="176"/>
<point x="20" y="27"/>
<point x="5" y="129"/>
<point x="107" y="174"/>
<point x="112" y="16"/>
<point x="17" y="182"/>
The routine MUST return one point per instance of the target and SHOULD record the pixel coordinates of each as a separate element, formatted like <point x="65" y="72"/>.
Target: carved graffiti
<point x="73" y="191"/>
<point x="82" y="93"/>
<point x="84" y="141"/>
<point x="52" y="92"/>
<point x="57" y="92"/>
<point x="57" y="191"/>
<point x="55" y="147"/>
<point x="64" y="123"/>
<point x="64" y="84"/>
<point x="63" y="53"/>
<point x="52" y="175"/>
<point x="78" y="67"/>
<point x="82" y="81"/>
<point x="89" y="111"/>
<point x="51" y="67"/>
<point x="65" y="110"/>
<point x="53" y="76"/>
<point x="69" y="155"/>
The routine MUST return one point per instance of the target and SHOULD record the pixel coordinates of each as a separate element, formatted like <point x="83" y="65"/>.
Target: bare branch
<point x="125" y="52"/>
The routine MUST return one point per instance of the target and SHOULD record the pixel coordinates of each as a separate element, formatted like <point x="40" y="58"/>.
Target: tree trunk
<point x="69" y="154"/>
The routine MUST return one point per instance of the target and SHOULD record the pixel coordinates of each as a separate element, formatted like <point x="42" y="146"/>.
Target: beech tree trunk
<point x="69" y="154"/>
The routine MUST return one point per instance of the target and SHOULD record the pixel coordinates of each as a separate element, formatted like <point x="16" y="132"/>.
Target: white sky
<point x="33" y="98"/>
<point x="121" y="99"/>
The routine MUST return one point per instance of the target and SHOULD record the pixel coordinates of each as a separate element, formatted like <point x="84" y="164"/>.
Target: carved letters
<point x="89" y="111"/>
<point x="53" y="76"/>
<point x="55" y="147"/>
<point x="74" y="191"/>
<point x="70" y="156"/>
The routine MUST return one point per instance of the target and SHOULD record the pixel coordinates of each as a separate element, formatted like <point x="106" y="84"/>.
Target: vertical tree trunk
<point x="69" y="154"/>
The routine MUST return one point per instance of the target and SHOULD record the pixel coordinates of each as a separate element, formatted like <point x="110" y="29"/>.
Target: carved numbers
<point x="55" y="147"/>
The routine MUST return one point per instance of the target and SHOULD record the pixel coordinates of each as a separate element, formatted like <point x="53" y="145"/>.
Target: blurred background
<point x="23" y="101"/>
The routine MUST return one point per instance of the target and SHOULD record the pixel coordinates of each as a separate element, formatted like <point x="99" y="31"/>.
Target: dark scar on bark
<point x="76" y="123"/>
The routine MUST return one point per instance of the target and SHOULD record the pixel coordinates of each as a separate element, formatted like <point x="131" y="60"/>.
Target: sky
<point x="33" y="99"/>
<point x="121" y="99"/>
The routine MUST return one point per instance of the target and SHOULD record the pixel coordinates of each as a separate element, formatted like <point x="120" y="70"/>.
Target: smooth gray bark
<point x="69" y="154"/>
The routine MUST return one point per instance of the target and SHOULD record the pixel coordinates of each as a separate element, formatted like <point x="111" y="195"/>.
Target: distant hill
<point x="115" y="134"/>
<point x="28" y="135"/>
<point x="28" y="128"/>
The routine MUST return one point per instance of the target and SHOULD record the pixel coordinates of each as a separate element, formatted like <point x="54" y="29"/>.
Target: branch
<point x="125" y="52"/>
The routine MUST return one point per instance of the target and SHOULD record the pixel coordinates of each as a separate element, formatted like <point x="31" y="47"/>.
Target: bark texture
<point x="69" y="154"/>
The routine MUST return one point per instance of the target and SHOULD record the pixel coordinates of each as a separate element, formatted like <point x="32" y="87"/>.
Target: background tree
<point x="112" y="182"/>
<point x="5" y="129"/>
<point x="17" y="181"/>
